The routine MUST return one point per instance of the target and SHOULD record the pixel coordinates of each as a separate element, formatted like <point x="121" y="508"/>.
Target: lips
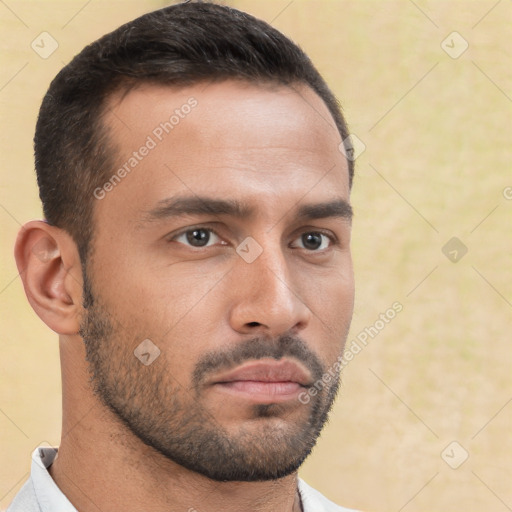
<point x="267" y="371"/>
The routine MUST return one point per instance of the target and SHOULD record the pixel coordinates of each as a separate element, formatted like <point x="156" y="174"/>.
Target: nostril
<point x="253" y="324"/>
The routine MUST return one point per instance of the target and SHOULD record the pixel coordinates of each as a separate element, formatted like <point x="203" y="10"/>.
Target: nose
<point x="267" y="300"/>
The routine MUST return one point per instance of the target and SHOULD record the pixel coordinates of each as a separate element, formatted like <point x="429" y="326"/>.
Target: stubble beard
<point x="171" y="418"/>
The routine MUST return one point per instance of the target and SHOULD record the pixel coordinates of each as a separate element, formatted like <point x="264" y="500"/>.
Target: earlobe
<point x="49" y="266"/>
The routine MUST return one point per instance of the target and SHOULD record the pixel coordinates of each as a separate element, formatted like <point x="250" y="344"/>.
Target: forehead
<point x="265" y="143"/>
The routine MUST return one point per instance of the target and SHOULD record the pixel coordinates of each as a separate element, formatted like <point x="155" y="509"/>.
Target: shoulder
<point x="25" y="500"/>
<point x="314" y="501"/>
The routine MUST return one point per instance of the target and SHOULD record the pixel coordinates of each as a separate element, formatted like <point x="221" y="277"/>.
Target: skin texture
<point x="272" y="149"/>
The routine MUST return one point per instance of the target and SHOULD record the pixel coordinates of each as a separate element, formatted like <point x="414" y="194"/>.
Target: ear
<point x="49" y="266"/>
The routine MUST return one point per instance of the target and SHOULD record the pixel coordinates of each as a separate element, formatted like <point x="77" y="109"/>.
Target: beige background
<point x="437" y="132"/>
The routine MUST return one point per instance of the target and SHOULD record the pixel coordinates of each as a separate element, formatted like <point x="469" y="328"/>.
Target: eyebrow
<point x="336" y="208"/>
<point x="196" y="205"/>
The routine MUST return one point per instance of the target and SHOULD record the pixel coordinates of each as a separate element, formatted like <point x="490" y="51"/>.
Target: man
<point x="195" y="262"/>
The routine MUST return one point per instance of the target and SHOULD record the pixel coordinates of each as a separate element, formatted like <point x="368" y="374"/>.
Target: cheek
<point x="331" y="293"/>
<point x="332" y="302"/>
<point x="179" y="309"/>
<point x="157" y="294"/>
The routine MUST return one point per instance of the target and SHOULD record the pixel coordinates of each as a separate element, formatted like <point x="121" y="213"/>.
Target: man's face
<point x="243" y="326"/>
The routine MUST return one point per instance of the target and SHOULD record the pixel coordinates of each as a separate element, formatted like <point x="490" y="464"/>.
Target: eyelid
<point x="312" y="229"/>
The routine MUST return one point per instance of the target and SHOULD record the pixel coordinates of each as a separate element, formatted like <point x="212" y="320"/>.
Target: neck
<point x="95" y="475"/>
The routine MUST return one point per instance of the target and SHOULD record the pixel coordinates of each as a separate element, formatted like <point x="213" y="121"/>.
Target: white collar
<point x="48" y="494"/>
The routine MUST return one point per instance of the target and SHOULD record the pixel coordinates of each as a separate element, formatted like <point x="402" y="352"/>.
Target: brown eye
<point x="314" y="241"/>
<point x="197" y="237"/>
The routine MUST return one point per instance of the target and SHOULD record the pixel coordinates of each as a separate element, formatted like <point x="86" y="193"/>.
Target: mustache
<point x="258" y="348"/>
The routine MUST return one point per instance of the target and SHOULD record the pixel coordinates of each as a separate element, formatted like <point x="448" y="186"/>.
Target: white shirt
<point x="41" y="494"/>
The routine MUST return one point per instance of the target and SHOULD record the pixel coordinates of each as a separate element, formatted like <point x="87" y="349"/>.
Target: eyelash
<point x="333" y="239"/>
